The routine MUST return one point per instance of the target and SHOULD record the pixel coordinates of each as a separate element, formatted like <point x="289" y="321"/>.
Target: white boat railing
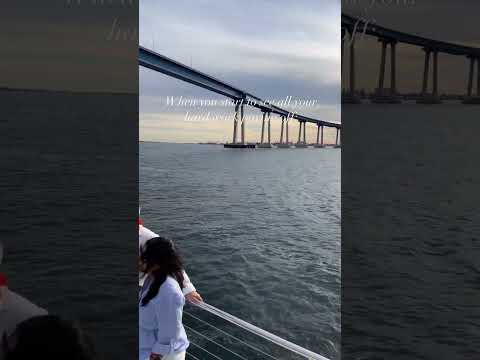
<point x="287" y="345"/>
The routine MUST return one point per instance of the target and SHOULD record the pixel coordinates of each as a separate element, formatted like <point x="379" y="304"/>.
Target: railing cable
<point x="192" y="356"/>
<point x="208" y="352"/>
<point x="216" y="343"/>
<point x="231" y="336"/>
<point x="262" y="333"/>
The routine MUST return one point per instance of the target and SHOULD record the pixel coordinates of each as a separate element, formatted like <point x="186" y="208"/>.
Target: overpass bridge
<point x="390" y="37"/>
<point x="157" y="62"/>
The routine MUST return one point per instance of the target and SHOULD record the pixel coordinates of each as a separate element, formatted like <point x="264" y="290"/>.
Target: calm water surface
<point x="260" y="234"/>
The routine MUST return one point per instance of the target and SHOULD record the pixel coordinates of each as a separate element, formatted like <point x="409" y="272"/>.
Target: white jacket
<point x="144" y="235"/>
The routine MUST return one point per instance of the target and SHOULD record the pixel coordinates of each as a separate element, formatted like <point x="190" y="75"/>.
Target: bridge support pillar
<point x="435" y="73"/>
<point x="349" y="96"/>
<point x="235" y="124"/>
<point x="281" y="131"/>
<point x="393" y="70"/>
<point x="381" y="95"/>
<point x="269" y="128"/>
<point x="242" y="120"/>
<point x="381" y="76"/>
<point x="265" y="144"/>
<point x="352" y="65"/>
<point x="471" y="98"/>
<point x="300" y="143"/>
<point x="235" y="144"/>
<point x="432" y="98"/>
<point x="319" y="143"/>
<point x="426" y="71"/>
<point x="470" y="76"/>
<point x="305" y="132"/>
<point x="299" y="131"/>
<point x="478" y="77"/>
<point x="263" y="128"/>
<point x="286" y="130"/>
<point x="337" y="138"/>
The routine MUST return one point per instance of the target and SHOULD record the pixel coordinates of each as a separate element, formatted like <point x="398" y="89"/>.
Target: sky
<point x="67" y="45"/>
<point x="445" y="20"/>
<point x="272" y="48"/>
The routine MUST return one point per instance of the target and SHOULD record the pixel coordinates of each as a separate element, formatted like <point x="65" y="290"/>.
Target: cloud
<point x="47" y="45"/>
<point x="270" y="48"/>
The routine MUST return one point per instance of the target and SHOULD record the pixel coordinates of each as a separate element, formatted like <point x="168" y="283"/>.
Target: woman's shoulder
<point x="170" y="288"/>
<point x="171" y="285"/>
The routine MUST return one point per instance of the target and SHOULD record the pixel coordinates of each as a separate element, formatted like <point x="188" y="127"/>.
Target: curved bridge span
<point x="432" y="48"/>
<point x="157" y="62"/>
<point x="369" y="28"/>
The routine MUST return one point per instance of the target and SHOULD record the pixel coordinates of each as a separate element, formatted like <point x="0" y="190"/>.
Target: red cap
<point x="3" y="280"/>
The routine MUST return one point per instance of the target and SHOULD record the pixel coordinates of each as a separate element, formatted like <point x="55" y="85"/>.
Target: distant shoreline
<point x="181" y="143"/>
<point x="56" y="91"/>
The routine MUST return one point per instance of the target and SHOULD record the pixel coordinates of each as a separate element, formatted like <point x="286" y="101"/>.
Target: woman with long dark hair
<point x="145" y="234"/>
<point x="161" y="332"/>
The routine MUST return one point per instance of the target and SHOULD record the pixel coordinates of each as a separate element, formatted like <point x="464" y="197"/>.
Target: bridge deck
<point x="373" y="29"/>
<point x="167" y="66"/>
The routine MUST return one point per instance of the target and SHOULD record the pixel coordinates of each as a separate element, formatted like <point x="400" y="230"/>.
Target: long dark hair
<point x="161" y="252"/>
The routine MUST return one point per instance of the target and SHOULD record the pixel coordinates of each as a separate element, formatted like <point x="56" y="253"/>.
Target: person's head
<point x="47" y="337"/>
<point x="160" y="258"/>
